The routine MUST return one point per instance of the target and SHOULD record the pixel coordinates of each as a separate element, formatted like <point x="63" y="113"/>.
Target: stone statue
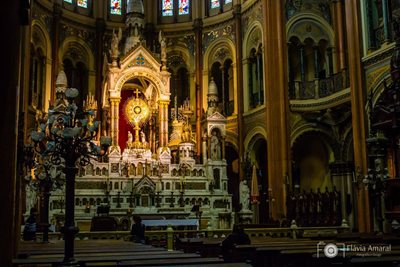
<point x="30" y="198"/>
<point x="215" y="147"/>
<point x="114" y="51"/>
<point x="130" y="140"/>
<point x="244" y="195"/>
<point x="163" y="44"/>
<point x="142" y="137"/>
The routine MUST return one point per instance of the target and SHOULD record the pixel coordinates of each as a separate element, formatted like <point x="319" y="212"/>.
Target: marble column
<point x="277" y="102"/>
<point x="339" y="32"/>
<point x="237" y="14"/>
<point x="198" y="30"/>
<point x="165" y="123"/>
<point x="115" y="120"/>
<point x="358" y="111"/>
<point x="161" y="124"/>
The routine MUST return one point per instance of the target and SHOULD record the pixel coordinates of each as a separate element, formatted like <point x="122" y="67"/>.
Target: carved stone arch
<point x="222" y="42"/>
<point x="176" y="61"/>
<point x="150" y="75"/>
<point x="312" y="26"/>
<point x="79" y="44"/>
<point x="231" y="138"/>
<point x="218" y="129"/>
<point x="183" y="53"/>
<point x="377" y="86"/>
<point x="40" y="38"/>
<point x="330" y="142"/>
<point x="258" y="130"/>
<point x="253" y="38"/>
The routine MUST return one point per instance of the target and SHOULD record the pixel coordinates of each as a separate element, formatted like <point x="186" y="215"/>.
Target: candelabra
<point x="67" y="138"/>
<point x="45" y="178"/>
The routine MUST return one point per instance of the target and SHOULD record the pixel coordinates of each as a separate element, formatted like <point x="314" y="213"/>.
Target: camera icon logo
<point x="330" y="250"/>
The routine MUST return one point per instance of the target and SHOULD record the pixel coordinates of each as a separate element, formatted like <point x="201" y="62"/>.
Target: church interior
<point x="198" y="116"/>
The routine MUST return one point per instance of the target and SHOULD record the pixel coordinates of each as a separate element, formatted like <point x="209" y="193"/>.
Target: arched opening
<point x="258" y="157"/>
<point x="78" y="77"/>
<point x="311" y="158"/>
<point x="37" y="78"/>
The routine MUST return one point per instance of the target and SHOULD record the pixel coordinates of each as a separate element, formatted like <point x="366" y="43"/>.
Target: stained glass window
<point x="228" y="1"/>
<point x="115" y="7"/>
<point x="83" y="3"/>
<point x="215" y="4"/>
<point x="184" y="7"/>
<point x="68" y="1"/>
<point x="167" y="8"/>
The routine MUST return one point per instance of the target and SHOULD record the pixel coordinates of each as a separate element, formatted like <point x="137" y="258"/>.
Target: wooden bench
<point x="173" y="262"/>
<point x="40" y="261"/>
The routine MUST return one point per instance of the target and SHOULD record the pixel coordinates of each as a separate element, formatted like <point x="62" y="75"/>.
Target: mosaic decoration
<point x="115" y="7"/>
<point x="68" y="1"/>
<point x="167" y="8"/>
<point x="83" y="3"/>
<point x="215" y="4"/>
<point x="184" y="7"/>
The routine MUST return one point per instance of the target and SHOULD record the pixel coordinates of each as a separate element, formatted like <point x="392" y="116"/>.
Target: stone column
<point x="277" y="102"/>
<point x="387" y="29"/>
<point x="209" y="147"/>
<point x="223" y="147"/>
<point x="237" y="14"/>
<point x="222" y="68"/>
<point x="114" y="119"/>
<point x="370" y="25"/>
<point x="358" y="111"/>
<point x="9" y="99"/>
<point x="100" y="29"/>
<point x="165" y="136"/>
<point x="302" y="66"/>
<point x="259" y="79"/>
<point x="161" y="124"/>
<point x="151" y="140"/>
<point x="198" y="30"/>
<point x="57" y="13"/>
<point x="339" y="32"/>
<point x="316" y="62"/>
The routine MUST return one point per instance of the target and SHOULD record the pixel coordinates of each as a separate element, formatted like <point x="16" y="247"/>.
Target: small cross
<point x="137" y="92"/>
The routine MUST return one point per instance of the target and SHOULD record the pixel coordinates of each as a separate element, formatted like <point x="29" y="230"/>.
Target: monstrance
<point x="137" y="113"/>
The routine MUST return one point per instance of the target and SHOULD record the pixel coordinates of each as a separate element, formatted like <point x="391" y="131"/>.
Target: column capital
<point x="197" y="24"/>
<point x="237" y="11"/>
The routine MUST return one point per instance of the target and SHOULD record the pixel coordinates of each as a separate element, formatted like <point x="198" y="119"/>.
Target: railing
<point x="167" y="238"/>
<point x="319" y="88"/>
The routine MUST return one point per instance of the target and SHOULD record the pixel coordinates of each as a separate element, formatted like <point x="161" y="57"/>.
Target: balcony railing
<point x="319" y="88"/>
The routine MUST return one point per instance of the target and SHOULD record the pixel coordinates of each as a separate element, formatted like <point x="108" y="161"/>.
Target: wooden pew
<point x="172" y="262"/>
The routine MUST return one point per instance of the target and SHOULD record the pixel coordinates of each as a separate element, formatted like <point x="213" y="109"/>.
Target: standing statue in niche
<point x="163" y="45"/>
<point x="215" y="147"/>
<point x="114" y="51"/>
<point x="244" y="195"/>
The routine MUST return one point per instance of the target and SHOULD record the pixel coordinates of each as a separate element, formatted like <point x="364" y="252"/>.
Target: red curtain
<point x="124" y="126"/>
